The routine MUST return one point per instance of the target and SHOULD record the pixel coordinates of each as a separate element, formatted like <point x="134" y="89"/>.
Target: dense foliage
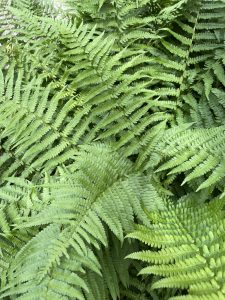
<point x="112" y="149"/>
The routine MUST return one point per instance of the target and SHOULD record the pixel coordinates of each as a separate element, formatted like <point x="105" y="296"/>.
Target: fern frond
<point x="81" y="204"/>
<point x="197" y="153"/>
<point x="184" y="51"/>
<point x="188" y="257"/>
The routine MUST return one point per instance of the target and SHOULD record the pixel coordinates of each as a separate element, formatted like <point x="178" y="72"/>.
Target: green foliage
<point x="189" y="257"/>
<point x="107" y="109"/>
<point x="70" y="224"/>
<point x="199" y="153"/>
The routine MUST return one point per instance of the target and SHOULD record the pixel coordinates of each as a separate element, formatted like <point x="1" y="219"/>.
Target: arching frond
<point x="80" y="206"/>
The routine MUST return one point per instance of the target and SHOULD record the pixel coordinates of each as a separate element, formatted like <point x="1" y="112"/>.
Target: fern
<point x="77" y="225"/>
<point x="108" y="108"/>
<point x="180" y="59"/>
<point x="71" y="110"/>
<point x="103" y="86"/>
<point x="196" y="152"/>
<point x="127" y="21"/>
<point x="188" y="257"/>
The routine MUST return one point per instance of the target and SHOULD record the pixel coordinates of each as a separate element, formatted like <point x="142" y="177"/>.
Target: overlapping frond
<point x="182" y="57"/>
<point x="126" y="21"/>
<point x="90" y="98"/>
<point x="99" y="189"/>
